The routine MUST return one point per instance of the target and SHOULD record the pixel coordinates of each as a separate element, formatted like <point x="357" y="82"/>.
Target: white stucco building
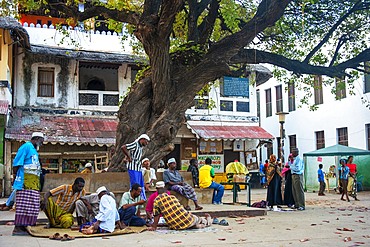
<point x="341" y="118"/>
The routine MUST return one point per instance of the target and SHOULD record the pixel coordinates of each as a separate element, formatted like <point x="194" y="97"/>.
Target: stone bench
<point x="118" y="183"/>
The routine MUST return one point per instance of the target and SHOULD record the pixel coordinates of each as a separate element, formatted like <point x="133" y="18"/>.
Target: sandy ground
<point x="327" y="221"/>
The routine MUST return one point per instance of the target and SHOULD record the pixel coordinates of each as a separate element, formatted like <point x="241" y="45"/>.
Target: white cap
<point x="101" y="189"/>
<point x="146" y="159"/>
<point x="37" y="134"/>
<point x="144" y="136"/>
<point x="159" y="184"/>
<point x="172" y="160"/>
<point x="88" y="165"/>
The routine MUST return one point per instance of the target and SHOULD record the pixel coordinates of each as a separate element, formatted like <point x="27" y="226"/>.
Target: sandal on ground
<point x="56" y="236"/>
<point x="66" y="237"/>
<point x="188" y="208"/>
<point x="215" y="221"/>
<point x="223" y="223"/>
<point x="199" y="208"/>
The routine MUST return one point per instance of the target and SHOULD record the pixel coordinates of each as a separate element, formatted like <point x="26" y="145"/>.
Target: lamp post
<point x="282" y="134"/>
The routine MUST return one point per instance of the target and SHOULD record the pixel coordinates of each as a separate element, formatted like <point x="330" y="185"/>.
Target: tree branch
<point x="255" y="56"/>
<point x="355" y="7"/>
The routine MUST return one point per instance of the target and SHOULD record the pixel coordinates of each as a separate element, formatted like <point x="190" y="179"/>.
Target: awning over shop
<point x="63" y="129"/>
<point x="229" y="132"/>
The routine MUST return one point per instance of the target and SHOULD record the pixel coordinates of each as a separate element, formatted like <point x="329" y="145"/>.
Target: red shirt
<point x="352" y="168"/>
<point x="150" y="202"/>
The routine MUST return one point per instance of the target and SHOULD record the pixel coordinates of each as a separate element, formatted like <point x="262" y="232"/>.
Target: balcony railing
<point x="98" y="98"/>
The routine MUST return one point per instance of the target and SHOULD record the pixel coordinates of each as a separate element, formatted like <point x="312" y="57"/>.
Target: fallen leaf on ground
<point x="359" y="242"/>
<point x="176" y="242"/>
<point x="361" y="221"/>
<point x="262" y="218"/>
<point x="366" y="236"/>
<point x="104" y="237"/>
<point x="242" y="239"/>
<point x="222" y="239"/>
<point x="233" y="216"/>
<point x="240" y="223"/>
<point x="337" y="232"/>
<point x="347" y="239"/>
<point x="345" y="229"/>
<point x="239" y="219"/>
<point x="346" y="214"/>
<point x="313" y="224"/>
<point x="326" y="221"/>
<point x="288" y="229"/>
<point x="304" y="240"/>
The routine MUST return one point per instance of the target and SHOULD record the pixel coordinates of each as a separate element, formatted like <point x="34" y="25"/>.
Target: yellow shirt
<point x="66" y="198"/>
<point x="206" y="174"/>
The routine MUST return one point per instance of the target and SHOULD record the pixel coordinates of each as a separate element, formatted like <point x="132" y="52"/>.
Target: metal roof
<point x="18" y="32"/>
<point x="230" y="132"/>
<point x="63" y="129"/>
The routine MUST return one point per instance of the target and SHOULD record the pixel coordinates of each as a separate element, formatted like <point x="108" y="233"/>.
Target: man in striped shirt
<point x="133" y="152"/>
<point x="60" y="212"/>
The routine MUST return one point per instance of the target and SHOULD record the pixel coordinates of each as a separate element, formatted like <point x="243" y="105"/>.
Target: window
<point x="367" y="78"/>
<point x="45" y="82"/>
<point x="342" y="136"/>
<point x="292" y="142"/>
<point x="279" y="99"/>
<point x="340" y="88"/>
<point x="320" y="139"/>
<point x="291" y="96"/>
<point x="201" y="104"/>
<point x="226" y="105"/>
<point x="319" y="99"/>
<point x="268" y="103"/>
<point x="242" y="106"/>
<point x="367" y="128"/>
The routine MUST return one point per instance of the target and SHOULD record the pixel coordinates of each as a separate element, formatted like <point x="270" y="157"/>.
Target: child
<point x="193" y="168"/>
<point x="344" y="178"/>
<point x="321" y="179"/>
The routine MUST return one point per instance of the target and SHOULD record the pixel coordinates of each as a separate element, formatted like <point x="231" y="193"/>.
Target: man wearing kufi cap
<point x="175" y="182"/>
<point x="88" y="168"/>
<point x="149" y="205"/>
<point x="133" y="152"/>
<point x="26" y="181"/>
<point x="105" y="221"/>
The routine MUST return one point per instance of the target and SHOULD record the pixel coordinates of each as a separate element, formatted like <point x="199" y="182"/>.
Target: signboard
<point x="217" y="161"/>
<point x="234" y="86"/>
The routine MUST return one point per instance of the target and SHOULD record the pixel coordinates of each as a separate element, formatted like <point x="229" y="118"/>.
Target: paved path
<point x="321" y="224"/>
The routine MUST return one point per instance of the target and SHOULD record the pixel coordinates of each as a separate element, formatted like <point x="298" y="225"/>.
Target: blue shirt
<point x="344" y="173"/>
<point x="297" y="166"/>
<point x="320" y="174"/>
<point x="27" y="159"/>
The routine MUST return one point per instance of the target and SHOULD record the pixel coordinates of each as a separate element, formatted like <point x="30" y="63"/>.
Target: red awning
<point x="230" y="132"/>
<point x="63" y="129"/>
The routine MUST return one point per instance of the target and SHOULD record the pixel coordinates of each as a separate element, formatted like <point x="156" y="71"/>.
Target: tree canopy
<point x="190" y="43"/>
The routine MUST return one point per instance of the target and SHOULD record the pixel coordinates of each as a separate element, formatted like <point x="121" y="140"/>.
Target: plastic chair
<point x="359" y="182"/>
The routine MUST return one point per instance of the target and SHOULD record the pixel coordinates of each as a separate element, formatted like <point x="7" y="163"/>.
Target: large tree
<point x="190" y="43"/>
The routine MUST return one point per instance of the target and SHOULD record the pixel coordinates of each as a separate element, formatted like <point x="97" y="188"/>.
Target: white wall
<point x="332" y="114"/>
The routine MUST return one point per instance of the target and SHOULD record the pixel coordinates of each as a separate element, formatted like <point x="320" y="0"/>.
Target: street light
<point x="282" y="134"/>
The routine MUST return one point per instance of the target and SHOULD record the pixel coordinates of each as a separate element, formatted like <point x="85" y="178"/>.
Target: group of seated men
<point x="97" y="212"/>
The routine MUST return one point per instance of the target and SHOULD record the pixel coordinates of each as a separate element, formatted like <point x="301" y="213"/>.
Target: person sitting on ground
<point x="88" y="168"/>
<point x="87" y="207"/>
<point x="206" y="175"/>
<point x="107" y="218"/>
<point x="174" y="181"/>
<point x="193" y="168"/>
<point x="130" y="205"/>
<point x="60" y="212"/>
<point x="175" y="215"/>
<point x="150" y="202"/>
<point x="148" y="174"/>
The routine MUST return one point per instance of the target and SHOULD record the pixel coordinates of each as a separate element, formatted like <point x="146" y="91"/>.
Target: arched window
<point x="96" y="84"/>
